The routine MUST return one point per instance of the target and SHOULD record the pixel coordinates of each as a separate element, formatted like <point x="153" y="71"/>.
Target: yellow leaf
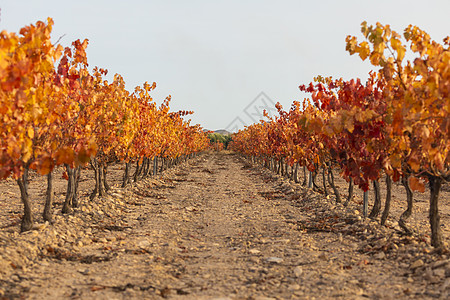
<point x="364" y="50"/>
<point x="396" y="161"/>
<point x="27" y="150"/>
<point x="30" y="132"/>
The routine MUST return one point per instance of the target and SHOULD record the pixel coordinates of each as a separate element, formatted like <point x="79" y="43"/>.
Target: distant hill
<point x="223" y="132"/>
<point x="220" y="131"/>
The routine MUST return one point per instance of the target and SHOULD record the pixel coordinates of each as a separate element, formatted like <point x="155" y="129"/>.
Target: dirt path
<point x="217" y="228"/>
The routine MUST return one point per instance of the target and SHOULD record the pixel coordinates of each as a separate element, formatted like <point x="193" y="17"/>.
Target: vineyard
<point x="122" y="198"/>
<point x="396" y="125"/>
<point x="66" y="115"/>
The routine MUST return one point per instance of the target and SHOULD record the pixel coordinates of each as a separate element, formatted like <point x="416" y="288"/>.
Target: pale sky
<point x="216" y="57"/>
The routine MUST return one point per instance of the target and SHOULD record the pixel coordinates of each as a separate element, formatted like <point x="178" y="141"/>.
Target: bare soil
<point x="217" y="227"/>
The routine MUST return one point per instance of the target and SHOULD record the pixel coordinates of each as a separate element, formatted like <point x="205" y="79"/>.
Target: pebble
<point x="84" y="271"/>
<point x="111" y="238"/>
<point x="380" y="255"/>
<point x="417" y="264"/>
<point x="440" y="272"/>
<point x="298" y="271"/>
<point x="438" y="264"/>
<point x="143" y="244"/>
<point x="15" y="278"/>
<point x="254" y="251"/>
<point x="275" y="260"/>
<point x="323" y="256"/>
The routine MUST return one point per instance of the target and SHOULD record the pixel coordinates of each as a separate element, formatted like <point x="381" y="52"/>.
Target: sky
<point x="225" y="60"/>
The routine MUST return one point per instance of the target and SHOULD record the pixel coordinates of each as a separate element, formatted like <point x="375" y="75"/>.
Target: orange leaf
<point x="414" y="163"/>
<point x="416" y="185"/>
<point x="65" y="155"/>
<point x="45" y="166"/>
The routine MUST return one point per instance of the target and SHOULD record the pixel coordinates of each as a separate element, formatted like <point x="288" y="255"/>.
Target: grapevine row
<point x="396" y="125"/>
<point x="55" y="112"/>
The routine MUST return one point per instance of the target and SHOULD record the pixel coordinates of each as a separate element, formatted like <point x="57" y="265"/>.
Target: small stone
<point x="102" y="240"/>
<point x="84" y="271"/>
<point x="438" y="264"/>
<point x="444" y="286"/>
<point x="111" y="238"/>
<point x="323" y="256"/>
<point x="294" y="287"/>
<point x="428" y="274"/>
<point x="380" y="255"/>
<point x="354" y="245"/>
<point x="254" y="259"/>
<point x="39" y="226"/>
<point x="417" y="264"/>
<point x="275" y="260"/>
<point x="143" y="244"/>
<point x="439" y="272"/>
<point x="298" y="271"/>
<point x="254" y="251"/>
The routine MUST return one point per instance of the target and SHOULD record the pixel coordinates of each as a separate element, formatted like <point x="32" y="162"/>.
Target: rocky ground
<point x="216" y="227"/>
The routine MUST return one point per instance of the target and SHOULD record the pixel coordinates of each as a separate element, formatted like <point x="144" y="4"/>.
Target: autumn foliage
<point x="55" y="111"/>
<point x="397" y="124"/>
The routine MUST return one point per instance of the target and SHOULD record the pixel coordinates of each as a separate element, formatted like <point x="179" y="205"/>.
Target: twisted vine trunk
<point x="155" y="165"/>
<point x="407" y="213"/>
<point x="27" y="219"/>
<point x="377" y="203"/>
<point x="163" y="162"/>
<point x="76" y="176"/>
<point x="279" y="166"/>
<point x="304" y="176"/>
<point x="333" y="186"/>
<point x="282" y="166"/>
<point x="350" y="192"/>
<point x="126" y="175"/>
<point x="436" y="233"/>
<point x="296" y="173"/>
<point x="96" y="186"/>
<point x="69" y="192"/>
<point x="314" y="183"/>
<point x="387" y="204"/>
<point x="47" y="214"/>
<point x="136" y="172"/>
<point x="101" y="189"/>
<point x="325" y="190"/>
<point x="146" y="167"/>
<point x="105" y="182"/>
